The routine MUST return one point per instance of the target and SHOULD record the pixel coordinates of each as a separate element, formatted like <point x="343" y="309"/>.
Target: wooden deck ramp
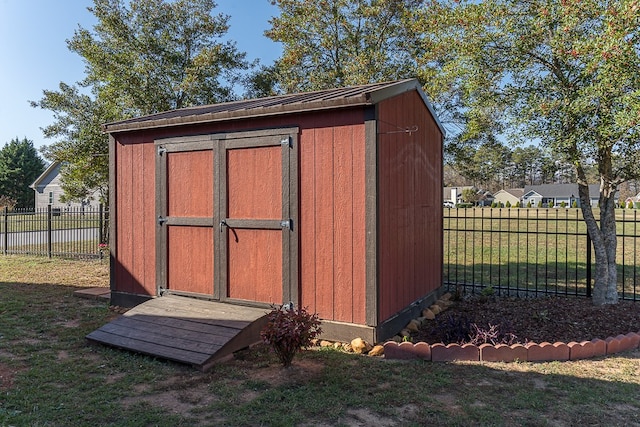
<point x="183" y="329"/>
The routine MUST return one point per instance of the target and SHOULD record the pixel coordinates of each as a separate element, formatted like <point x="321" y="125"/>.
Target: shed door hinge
<point x="287" y="141"/>
<point x="287" y="223"/>
<point x="161" y="220"/>
<point x="161" y="150"/>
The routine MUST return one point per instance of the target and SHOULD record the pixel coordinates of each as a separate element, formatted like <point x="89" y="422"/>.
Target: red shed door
<point x="258" y="178"/>
<point x="185" y="224"/>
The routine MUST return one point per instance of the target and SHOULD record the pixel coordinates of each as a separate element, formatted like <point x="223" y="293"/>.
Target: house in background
<point x="511" y="195"/>
<point x="48" y="190"/>
<point x="454" y="194"/>
<point x="558" y="193"/>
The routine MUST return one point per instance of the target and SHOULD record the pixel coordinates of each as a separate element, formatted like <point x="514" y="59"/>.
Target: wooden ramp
<point x="185" y="330"/>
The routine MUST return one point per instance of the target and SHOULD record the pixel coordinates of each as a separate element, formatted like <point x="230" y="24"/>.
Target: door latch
<point x="161" y="220"/>
<point x="287" y="223"/>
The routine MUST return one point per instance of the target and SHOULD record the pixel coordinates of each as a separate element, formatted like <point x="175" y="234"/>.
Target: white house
<point x="48" y="190"/>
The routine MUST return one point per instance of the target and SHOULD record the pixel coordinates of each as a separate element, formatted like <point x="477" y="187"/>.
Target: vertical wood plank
<point x="307" y="221"/>
<point x="343" y="223"/>
<point x="124" y="249"/>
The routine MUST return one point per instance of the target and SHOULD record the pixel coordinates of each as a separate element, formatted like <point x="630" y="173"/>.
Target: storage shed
<point x="330" y="200"/>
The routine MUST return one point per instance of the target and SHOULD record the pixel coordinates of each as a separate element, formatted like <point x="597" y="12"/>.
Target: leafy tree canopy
<point x="564" y="72"/>
<point x="20" y="165"/>
<point x="334" y="43"/>
<point x="141" y="57"/>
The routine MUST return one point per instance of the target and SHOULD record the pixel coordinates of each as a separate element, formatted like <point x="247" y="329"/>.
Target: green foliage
<point x="574" y="204"/>
<point x="563" y="72"/>
<point x="563" y="204"/>
<point x="494" y="204"/>
<point x="529" y="204"/>
<point x="141" y="57"/>
<point x="508" y="204"/>
<point x="341" y="42"/>
<point x="551" y="204"/>
<point x="20" y="165"/>
<point x="517" y="205"/>
<point x="540" y="203"/>
<point x="289" y="330"/>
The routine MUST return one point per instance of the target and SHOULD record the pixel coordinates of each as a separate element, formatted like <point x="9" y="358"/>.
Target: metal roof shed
<point x="330" y="200"/>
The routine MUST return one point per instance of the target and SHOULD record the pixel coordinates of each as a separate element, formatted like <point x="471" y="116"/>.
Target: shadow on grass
<point x="56" y="378"/>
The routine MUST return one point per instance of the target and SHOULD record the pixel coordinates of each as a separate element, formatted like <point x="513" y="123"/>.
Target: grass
<point x="50" y="376"/>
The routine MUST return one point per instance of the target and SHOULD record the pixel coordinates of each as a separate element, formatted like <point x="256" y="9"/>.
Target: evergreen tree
<point x="20" y="165"/>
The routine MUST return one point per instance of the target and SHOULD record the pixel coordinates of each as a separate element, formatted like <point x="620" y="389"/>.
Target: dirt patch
<point x="541" y="319"/>
<point x="7" y="376"/>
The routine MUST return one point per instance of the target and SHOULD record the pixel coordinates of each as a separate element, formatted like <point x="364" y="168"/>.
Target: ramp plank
<point x="184" y="329"/>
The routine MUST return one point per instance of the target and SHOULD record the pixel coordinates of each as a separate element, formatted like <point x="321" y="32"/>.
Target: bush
<point x="540" y="204"/>
<point x="529" y="204"/>
<point x="551" y="204"/>
<point x="574" y="204"/>
<point x="563" y="204"/>
<point x="494" y="205"/>
<point x="289" y="330"/>
<point x="508" y="204"/>
<point x="517" y="205"/>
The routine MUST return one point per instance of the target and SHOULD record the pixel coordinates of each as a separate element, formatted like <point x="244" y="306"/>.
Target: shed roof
<point x="370" y="94"/>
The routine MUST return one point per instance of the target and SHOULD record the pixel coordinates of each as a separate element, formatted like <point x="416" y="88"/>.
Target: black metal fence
<point x="55" y="232"/>
<point x="526" y="252"/>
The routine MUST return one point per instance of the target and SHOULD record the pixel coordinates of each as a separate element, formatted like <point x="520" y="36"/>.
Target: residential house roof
<point x="561" y="190"/>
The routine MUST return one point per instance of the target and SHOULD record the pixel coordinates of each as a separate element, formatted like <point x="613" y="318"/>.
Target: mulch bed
<point x="540" y="319"/>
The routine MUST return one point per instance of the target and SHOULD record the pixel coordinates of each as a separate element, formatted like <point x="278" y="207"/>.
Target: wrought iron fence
<point x="69" y="232"/>
<point x="525" y="252"/>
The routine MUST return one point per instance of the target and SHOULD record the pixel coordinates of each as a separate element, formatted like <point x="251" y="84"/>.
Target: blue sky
<point x="34" y="54"/>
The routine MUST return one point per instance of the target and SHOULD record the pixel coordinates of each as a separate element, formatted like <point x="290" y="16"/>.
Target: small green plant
<point x="540" y="204"/>
<point x="488" y="291"/>
<point x="551" y="204"/>
<point x="288" y="330"/>
<point x="563" y="204"/>
<point x="574" y="204"/>
<point x="517" y="205"/>
<point x="529" y="204"/>
<point x="508" y="204"/>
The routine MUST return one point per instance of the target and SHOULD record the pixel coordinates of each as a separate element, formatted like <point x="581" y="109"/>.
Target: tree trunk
<point x="605" y="287"/>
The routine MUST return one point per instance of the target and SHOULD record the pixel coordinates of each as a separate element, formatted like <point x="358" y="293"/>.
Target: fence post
<point x="6" y="230"/>
<point x="101" y="225"/>
<point x="49" y="231"/>
<point x="588" y="265"/>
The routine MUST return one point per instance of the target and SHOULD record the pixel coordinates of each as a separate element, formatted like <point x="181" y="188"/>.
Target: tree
<point x="141" y="57"/>
<point x="20" y="165"/>
<point x="333" y="43"/>
<point x="566" y="73"/>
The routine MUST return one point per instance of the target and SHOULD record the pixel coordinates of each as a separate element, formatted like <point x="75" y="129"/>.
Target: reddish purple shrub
<point x="289" y="330"/>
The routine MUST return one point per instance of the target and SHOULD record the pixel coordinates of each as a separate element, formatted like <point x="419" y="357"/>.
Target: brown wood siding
<point x="190" y="259"/>
<point x="409" y="204"/>
<point x="331" y="193"/>
<point x="255" y="265"/>
<point x="135" y="272"/>
<point x="255" y="183"/>
<point x="332" y="222"/>
<point x="189" y="194"/>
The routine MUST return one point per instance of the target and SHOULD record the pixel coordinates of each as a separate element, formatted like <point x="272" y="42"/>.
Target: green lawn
<point x="51" y="376"/>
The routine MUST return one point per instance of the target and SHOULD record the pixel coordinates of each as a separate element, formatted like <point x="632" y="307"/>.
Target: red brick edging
<point x="530" y="352"/>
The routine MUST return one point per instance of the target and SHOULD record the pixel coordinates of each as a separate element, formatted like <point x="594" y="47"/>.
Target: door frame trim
<point x="220" y="143"/>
